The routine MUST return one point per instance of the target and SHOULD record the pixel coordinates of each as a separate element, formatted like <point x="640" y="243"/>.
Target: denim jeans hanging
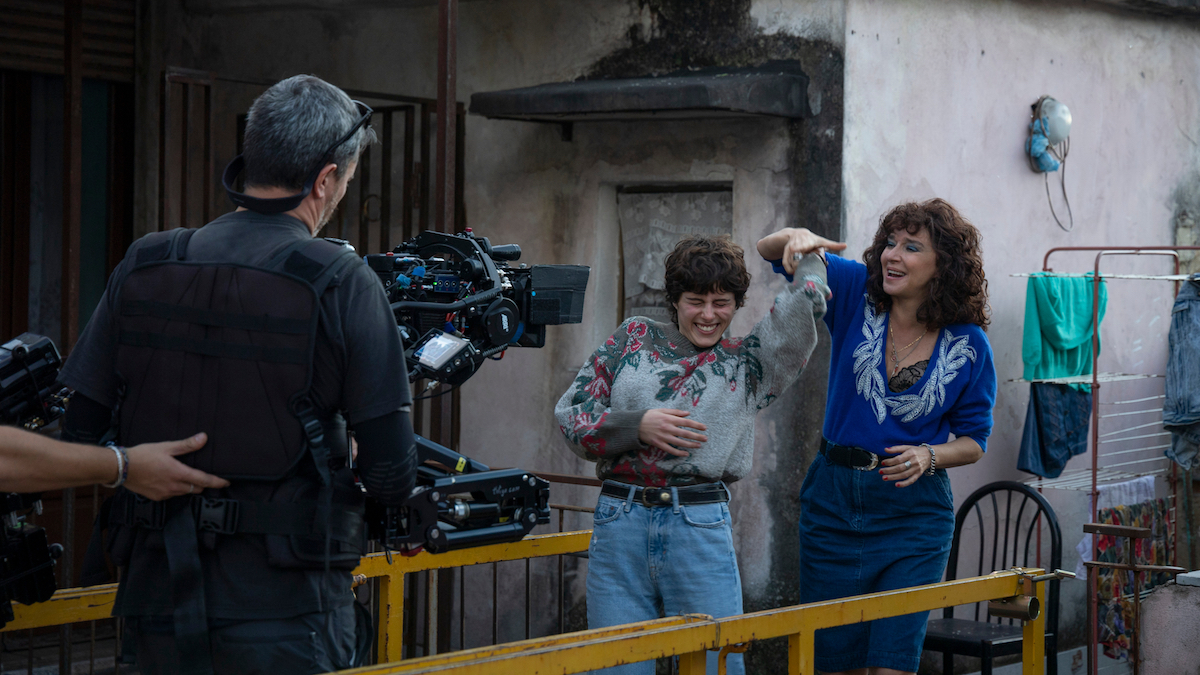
<point x="1056" y="428"/>
<point x="1181" y="410"/>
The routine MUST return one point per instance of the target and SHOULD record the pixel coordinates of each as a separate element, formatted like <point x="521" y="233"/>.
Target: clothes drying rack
<point x="1120" y="464"/>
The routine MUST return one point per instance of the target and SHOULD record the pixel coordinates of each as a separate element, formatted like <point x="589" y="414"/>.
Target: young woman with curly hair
<point x="910" y="365"/>
<point x="666" y="411"/>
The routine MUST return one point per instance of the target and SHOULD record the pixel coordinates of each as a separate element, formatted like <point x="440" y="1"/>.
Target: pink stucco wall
<point x="937" y="102"/>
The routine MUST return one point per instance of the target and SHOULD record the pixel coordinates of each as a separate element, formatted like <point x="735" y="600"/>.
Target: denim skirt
<point x="860" y="534"/>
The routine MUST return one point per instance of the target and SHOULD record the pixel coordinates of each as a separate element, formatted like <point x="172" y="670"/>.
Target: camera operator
<point x="31" y="462"/>
<point x="264" y="337"/>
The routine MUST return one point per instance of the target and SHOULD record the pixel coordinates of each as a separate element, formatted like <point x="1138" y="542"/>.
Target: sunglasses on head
<point x="284" y="204"/>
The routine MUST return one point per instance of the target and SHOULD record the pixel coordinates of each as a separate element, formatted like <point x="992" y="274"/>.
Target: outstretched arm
<point x="779" y="346"/>
<point x="32" y="463"/>
<point x="786" y="243"/>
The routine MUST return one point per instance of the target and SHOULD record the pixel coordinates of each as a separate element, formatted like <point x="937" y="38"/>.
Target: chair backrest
<point x="1015" y="527"/>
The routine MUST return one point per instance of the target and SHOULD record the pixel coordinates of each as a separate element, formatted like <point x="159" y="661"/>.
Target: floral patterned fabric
<point x="646" y="364"/>
<point x="1115" y="588"/>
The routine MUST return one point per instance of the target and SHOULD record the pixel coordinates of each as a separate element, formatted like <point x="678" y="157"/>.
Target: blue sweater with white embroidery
<point x="954" y="396"/>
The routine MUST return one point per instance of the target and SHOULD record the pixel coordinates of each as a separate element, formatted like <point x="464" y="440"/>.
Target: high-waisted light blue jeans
<point x="647" y="562"/>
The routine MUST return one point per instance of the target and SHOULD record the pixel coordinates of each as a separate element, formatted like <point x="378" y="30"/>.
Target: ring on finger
<point x="908" y="464"/>
<point x="797" y="256"/>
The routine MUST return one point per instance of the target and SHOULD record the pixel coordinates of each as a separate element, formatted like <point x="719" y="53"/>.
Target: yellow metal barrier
<point x="391" y="577"/>
<point x="73" y="605"/>
<point x="689" y="637"/>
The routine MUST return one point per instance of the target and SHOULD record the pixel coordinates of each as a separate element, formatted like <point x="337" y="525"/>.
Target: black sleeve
<point x="387" y="456"/>
<point x="86" y="421"/>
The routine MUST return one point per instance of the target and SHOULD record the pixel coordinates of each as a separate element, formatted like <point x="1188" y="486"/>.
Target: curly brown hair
<point x="958" y="290"/>
<point x="706" y="265"/>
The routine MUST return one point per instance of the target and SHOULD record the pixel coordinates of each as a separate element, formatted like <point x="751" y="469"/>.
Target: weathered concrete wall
<point x="1170" y="631"/>
<point x="937" y="102"/>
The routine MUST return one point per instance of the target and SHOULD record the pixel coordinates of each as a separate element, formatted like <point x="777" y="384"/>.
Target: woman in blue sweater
<point x="910" y="366"/>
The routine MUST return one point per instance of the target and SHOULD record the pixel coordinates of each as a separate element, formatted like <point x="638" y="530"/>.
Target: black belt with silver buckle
<point x="704" y="493"/>
<point x="855" y="458"/>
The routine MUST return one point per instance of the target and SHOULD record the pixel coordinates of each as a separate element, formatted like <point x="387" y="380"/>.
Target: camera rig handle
<point x="428" y="451"/>
<point x="468" y="505"/>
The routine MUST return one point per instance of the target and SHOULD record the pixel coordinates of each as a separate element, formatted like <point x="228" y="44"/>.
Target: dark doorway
<point x="31" y="197"/>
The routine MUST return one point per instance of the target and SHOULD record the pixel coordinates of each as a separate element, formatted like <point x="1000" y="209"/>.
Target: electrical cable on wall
<point x="1047" y="148"/>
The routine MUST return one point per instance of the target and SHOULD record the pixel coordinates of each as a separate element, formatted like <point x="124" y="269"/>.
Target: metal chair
<point x="1012" y="520"/>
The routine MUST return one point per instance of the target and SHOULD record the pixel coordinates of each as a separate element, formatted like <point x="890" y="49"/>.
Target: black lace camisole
<point x="907" y="376"/>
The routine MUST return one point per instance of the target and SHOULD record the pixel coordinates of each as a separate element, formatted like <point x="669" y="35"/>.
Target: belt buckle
<point x="874" y="463"/>
<point x="656" y="497"/>
<point x="217" y="515"/>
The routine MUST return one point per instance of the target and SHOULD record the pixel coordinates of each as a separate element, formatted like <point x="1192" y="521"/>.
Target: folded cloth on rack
<point x="1056" y="428"/>
<point x="1058" y="326"/>
<point x="1134" y="491"/>
<point x="1181" y="409"/>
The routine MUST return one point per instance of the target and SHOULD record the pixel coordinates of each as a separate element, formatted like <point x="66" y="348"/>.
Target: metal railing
<point x="75" y="605"/>
<point x="689" y="637"/>
<point x="429" y="619"/>
<point x="686" y="637"/>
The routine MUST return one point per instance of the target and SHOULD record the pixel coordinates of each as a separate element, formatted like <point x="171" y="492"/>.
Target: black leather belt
<point x="704" y="493"/>
<point x="855" y="458"/>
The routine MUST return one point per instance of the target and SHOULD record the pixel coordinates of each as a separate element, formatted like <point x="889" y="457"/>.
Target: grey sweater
<point x="647" y="364"/>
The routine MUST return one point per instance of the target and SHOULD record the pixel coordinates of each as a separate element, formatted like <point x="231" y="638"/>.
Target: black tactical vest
<point x="220" y="348"/>
<point x="227" y="349"/>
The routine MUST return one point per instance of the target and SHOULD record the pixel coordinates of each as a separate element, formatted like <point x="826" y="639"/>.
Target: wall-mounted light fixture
<point x="1047" y="147"/>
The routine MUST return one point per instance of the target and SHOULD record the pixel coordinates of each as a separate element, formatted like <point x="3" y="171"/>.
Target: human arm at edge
<point x="153" y="471"/>
<point x="31" y="462"/>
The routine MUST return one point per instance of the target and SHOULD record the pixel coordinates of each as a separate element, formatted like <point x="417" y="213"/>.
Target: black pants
<point x="303" y="645"/>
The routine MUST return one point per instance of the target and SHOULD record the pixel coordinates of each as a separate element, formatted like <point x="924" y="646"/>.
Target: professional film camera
<point x="29" y="398"/>
<point x="458" y="302"/>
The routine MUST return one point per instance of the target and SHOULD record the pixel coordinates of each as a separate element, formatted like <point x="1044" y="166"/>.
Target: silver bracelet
<point x="122" y="466"/>
<point x="932" y="459"/>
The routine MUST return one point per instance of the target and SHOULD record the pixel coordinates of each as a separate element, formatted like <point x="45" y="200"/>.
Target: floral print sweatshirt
<point x="646" y="364"/>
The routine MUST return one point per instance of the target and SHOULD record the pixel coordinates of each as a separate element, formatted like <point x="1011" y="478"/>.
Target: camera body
<point x="26" y="556"/>
<point x="30" y="398"/>
<point x="458" y="301"/>
<point x="29" y="394"/>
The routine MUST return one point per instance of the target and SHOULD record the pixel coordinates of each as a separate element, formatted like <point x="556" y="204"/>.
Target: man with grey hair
<point x="274" y="343"/>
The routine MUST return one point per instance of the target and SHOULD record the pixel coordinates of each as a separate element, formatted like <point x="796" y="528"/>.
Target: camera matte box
<point x="557" y="294"/>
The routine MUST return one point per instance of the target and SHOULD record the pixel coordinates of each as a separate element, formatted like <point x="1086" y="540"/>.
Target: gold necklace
<point x="897" y="359"/>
